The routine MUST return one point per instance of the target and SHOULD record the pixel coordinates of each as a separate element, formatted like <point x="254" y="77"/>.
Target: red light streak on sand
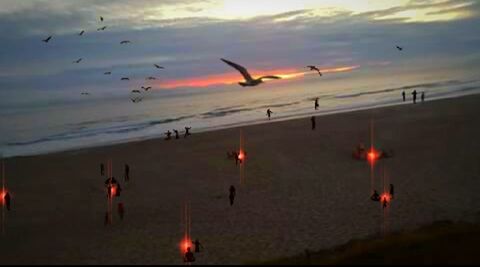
<point x="186" y="241"/>
<point x="235" y="77"/>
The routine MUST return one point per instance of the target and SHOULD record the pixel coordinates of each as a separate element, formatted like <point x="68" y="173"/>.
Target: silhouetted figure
<point x="197" y="245"/>
<point x="403" y="95"/>
<point x="384" y="202"/>
<point x="232" y="194"/>
<point x="127" y="173"/>
<point x="121" y="210"/>
<point x="118" y="190"/>
<point x="316" y="103"/>
<point x="176" y="134"/>
<point x="168" y="134"/>
<point x="236" y="155"/>
<point x="187" y="133"/>
<point x="189" y="256"/>
<point x="111" y="180"/>
<point x="6" y="198"/>
<point x="391" y="190"/>
<point x="375" y="196"/>
<point x="109" y="191"/>
<point x="102" y="169"/>
<point x="423" y="97"/>
<point x="269" y="112"/>
<point x="414" y="93"/>
<point x="313" y="122"/>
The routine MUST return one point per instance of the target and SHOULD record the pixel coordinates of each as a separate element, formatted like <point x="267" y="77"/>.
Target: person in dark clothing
<point x="187" y="133"/>
<point x="423" y="97"/>
<point x="6" y="198"/>
<point x="391" y="190"/>
<point x="316" y="103"/>
<point x="269" y="113"/>
<point x="168" y="134"/>
<point x="375" y="196"/>
<point x="313" y="122"/>
<point x="414" y="93"/>
<point x="102" y="169"/>
<point x="235" y="154"/>
<point x="232" y="194"/>
<point x="189" y="256"/>
<point x="197" y="245"/>
<point x="403" y="95"/>
<point x="121" y="210"/>
<point x="110" y="180"/>
<point x="127" y="173"/>
<point x="384" y="201"/>
<point x="176" y="134"/>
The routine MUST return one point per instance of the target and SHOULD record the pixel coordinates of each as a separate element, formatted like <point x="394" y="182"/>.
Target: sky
<point x="188" y="38"/>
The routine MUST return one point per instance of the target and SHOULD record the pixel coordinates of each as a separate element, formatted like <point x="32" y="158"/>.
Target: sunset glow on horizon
<point x="233" y="77"/>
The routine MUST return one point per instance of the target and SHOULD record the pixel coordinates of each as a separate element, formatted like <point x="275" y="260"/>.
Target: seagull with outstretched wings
<point x="249" y="81"/>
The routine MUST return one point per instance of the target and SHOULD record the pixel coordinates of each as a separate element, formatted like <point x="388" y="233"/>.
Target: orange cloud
<point x="235" y="77"/>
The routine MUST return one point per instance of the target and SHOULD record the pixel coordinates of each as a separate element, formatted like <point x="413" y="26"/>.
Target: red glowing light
<point x="386" y="197"/>
<point x="185" y="244"/>
<point x="372" y="155"/>
<point x="241" y="155"/>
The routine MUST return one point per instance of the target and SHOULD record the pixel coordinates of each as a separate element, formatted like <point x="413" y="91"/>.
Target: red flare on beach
<point x="186" y="243"/>
<point x="372" y="155"/>
<point x="386" y="197"/>
<point x="241" y="155"/>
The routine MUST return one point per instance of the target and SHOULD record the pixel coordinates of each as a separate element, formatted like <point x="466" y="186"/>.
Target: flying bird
<point x="85" y="93"/>
<point x="125" y="79"/>
<point x="78" y="60"/>
<point x="249" y="81"/>
<point x="136" y="99"/>
<point x="125" y="42"/>
<point x="107" y="73"/>
<point x="146" y="88"/>
<point x="81" y="33"/>
<point x="158" y="66"/>
<point x="136" y="91"/>
<point x="48" y="39"/>
<point x="151" y="78"/>
<point x="315" y="68"/>
<point x="101" y="18"/>
<point x="399" y="48"/>
<point x="102" y="28"/>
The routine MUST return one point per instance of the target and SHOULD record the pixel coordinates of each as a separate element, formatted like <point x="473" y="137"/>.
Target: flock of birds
<point x="137" y="96"/>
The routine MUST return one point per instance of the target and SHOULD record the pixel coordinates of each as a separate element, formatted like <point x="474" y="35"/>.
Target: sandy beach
<point x="302" y="189"/>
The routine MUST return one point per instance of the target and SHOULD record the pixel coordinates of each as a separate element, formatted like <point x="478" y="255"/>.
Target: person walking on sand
<point x="269" y="113"/>
<point x="168" y="134"/>
<point x="102" y="169"/>
<point x="316" y="103"/>
<point x="189" y="256"/>
<point x="121" y="210"/>
<point x="313" y="122"/>
<point x="197" y="245"/>
<point x="391" y="190"/>
<point x="403" y="95"/>
<point x="176" y="134"/>
<point x="414" y="93"/>
<point x="232" y="194"/>
<point x="384" y="202"/>
<point x="6" y="198"/>
<point x="187" y="133"/>
<point x="423" y="97"/>
<point x="127" y="173"/>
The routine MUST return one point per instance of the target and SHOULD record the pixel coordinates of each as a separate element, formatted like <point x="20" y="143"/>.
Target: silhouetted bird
<point x="85" y="93"/>
<point x="125" y="79"/>
<point x="315" y="69"/>
<point x="81" y="33"/>
<point x="125" y="42"/>
<point x="136" y="100"/>
<point x="399" y="48"/>
<point x="102" y="28"/>
<point x="77" y="61"/>
<point x="158" y="67"/>
<point x="151" y="78"/>
<point x="136" y="91"/>
<point x="249" y="81"/>
<point x="146" y="88"/>
<point x="48" y="39"/>
<point x="107" y="73"/>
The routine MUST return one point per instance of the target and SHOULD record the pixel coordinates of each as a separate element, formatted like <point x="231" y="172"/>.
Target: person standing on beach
<point x="168" y="134"/>
<point x="197" y="245"/>
<point x="232" y="194"/>
<point x="313" y="122"/>
<point x="384" y="201"/>
<point x="187" y="133"/>
<point x="269" y="113"/>
<point x="316" y="103"/>
<point x="414" y="93"/>
<point x="176" y="134"/>
<point x="423" y="97"/>
<point x="6" y="198"/>
<point x="188" y="256"/>
<point x="127" y="173"/>
<point x="102" y="169"/>
<point x="403" y="95"/>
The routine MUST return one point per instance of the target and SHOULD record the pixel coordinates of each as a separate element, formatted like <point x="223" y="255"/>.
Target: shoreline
<point x="203" y="130"/>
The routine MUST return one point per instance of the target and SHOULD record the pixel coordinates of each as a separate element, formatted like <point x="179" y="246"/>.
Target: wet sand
<point x="302" y="189"/>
